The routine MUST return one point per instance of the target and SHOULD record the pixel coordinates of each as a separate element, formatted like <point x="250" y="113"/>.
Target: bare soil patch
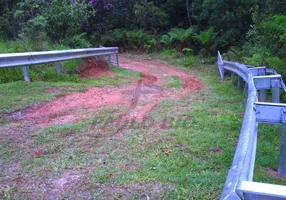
<point x="141" y="97"/>
<point x="94" y="67"/>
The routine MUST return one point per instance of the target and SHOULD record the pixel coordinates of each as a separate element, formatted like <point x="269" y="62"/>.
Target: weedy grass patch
<point x="18" y="95"/>
<point x="174" y="82"/>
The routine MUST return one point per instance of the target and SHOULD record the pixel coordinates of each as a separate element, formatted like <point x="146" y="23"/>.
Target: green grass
<point x="16" y="95"/>
<point x="183" y="150"/>
<point x="174" y="82"/>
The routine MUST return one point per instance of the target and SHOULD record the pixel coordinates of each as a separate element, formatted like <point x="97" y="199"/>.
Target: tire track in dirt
<point x="140" y="97"/>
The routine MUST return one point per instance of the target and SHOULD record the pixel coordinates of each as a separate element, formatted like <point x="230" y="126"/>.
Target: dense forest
<point x="249" y="31"/>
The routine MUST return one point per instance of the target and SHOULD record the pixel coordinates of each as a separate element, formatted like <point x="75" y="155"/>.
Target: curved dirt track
<point x="140" y="97"/>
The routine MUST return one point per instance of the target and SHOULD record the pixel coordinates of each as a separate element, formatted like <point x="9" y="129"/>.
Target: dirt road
<point x="52" y="166"/>
<point x="140" y="97"/>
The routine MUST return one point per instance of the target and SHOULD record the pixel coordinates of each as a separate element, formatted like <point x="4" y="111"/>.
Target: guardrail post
<point x="263" y="95"/>
<point x="275" y="90"/>
<point x="239" y="82"/>
<point x="109" y="60"/>
<point x="282" y="156"/>
<point x="117" y="59"/>
<point x="58" y="67"/>
<point x="262" y="92"/>
<point x="232" y="75"/>
<point x="26" y="74"/>
<point x="245" y="89"/>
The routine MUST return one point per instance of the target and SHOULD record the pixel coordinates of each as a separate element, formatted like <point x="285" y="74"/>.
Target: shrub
<point x="205" y="38"/>
<point x="150" y="17"/>
<point x="188" y="61"/>
<point x="277" y="64"/>
<point x="178" y="36"/>
<point x="137" y="39"/>
<point x="65" y="19"/>
<point x="78" y="41"/>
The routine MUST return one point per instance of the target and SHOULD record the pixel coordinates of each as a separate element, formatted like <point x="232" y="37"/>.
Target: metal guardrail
<point x="239" y="183"/>
<point x="34" y="58"/>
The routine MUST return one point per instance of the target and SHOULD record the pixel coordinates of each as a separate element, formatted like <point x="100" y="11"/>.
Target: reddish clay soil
<point x="94" y="67"/>
<point x="140" y="97"/>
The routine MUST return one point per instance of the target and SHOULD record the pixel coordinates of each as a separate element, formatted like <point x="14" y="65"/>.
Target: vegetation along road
<point x="148" y="130"/>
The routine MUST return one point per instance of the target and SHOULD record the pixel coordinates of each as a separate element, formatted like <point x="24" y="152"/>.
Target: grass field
<point x="183" y="150"/>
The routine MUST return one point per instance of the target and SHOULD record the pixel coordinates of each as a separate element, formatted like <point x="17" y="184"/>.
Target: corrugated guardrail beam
<point x="239" y="183"/>
<point x="35" y="58"/>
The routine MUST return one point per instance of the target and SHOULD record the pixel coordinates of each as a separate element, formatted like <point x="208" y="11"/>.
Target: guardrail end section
<point x="220" y="65"/>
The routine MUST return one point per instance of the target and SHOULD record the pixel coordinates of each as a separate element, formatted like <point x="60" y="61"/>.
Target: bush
<point x="205" y="38"/>
<point x="78" y="41"/>
<point x="180" y="37"/>
<point x="65" y="19"/>
<point x="167" y="54"/>
<point x="137" y="39"/>
<point x="150" y="17"/>
<point x="277" y="64"/>
<point x="256" y="60"/>
<point x="188" y="61"/>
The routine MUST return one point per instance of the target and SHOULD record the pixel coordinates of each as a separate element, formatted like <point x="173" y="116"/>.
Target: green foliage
<point x="205" y="38"/>
<point x="234" y="54"/>
<point x="256" y="60"/>
<point x="167" y="54"/>
<point x="5" y="26"/>
<point x="179" y="36"/>
<point x="78" y="41"/>
<point x="166" y="40"/>
<point x="138" y="39"/>
<point x="34" y="30"/>
<point x="150" y="17"/>
<point x="34" y="27"/>
<point x="278" y="64"/>
<point x="174" y="82"/>
<point x="13" y="74"/>
<point x="231" y="20"/>
<point x="266" y="44"/>
<point x="149" y="25"/>
<point x="188" y="60"/>
<point x="65" y="19"/>
<point x="274" y="33"/>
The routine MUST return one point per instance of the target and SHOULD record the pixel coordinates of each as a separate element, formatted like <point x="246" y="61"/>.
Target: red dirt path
<point x="141" y="97"/>
<point x="94" y="67"/>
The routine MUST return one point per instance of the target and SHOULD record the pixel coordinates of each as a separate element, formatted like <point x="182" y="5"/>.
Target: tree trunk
<point x="188" y="12"/>
<point x="193" y="8"/>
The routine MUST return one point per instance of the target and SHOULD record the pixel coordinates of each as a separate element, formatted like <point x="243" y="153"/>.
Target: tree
<point x="188" y="12"/>
<point x="148" y="16"/>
